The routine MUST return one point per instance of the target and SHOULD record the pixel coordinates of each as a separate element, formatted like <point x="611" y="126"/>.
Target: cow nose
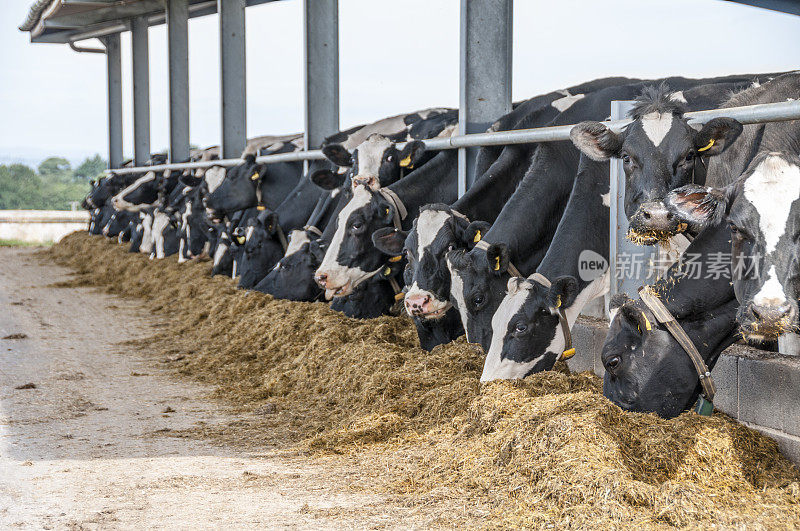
<point x="416" y="305"/>
<point x="656" y="216"/>
<point x="769" y="314"/>
<point x="322" y="280"/>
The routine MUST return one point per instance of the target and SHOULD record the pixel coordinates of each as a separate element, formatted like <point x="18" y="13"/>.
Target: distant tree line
<point x="51" y="186"/>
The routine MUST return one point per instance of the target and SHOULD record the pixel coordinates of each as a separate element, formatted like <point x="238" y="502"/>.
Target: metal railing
<point x="749" y="114"/>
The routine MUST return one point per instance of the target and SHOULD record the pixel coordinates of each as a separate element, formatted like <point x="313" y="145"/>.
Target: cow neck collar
<point x="569" y="350"/>
<point x="399" y="212"/>
<point x="705" y="405"/>
<point x="259" y="194"/>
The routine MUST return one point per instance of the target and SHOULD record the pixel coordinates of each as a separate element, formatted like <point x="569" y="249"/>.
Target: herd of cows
<point x="380" y="222"/>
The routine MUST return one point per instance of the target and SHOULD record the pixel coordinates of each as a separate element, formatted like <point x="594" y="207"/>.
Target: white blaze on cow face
<point x="771" y="293"/>
<point x="340" y="277"/>
<point x="772" y="188"/>
<point x="457" y="292"/>
<point x="219" y="252"/>
<point x="214" y="177"/>
<point x="429" y="224"/>
<point x="160" y="223"/>
<point x="656" y="126"/>
<point x="146" y="246"/>
<point x="370" y="156"/>
<point x="186" y="233"/>
<point x="297" y="238"/>
<point x="119" y="202"/>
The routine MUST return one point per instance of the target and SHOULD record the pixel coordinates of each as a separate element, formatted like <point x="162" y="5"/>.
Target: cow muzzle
<point x="425" y="306"/>
<point x="768" y="321"/>
<point x="653" y="223"/>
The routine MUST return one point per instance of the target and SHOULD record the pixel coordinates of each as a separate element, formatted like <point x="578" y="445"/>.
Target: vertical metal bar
<point x="321" y="80"/>
<point x="233" y="76"/>
<point x="114" y="80"/>
<point x="629" y="263"/>
<point x="178" y="49"/>
<point x="485" y="74"/>
<point x="141" y="90"/>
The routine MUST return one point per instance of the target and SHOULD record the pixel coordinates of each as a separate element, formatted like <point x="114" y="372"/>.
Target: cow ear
<point x="412" y="154"/>
<point x="514" y="285"/>
<point x="270" y="222"/>
<point x="250" y="158"/>
<point x="497" y="254"/>
<point x="716" y="135"/>
<point x="635" y="316"/>
<point x="475" y="232"/>
<point x="698" y="206"/>
<point x="618" y="301"/>
<point x="327" y="179"/>
<point x="389" y="241"/>
<point x="562" y="292"/>
<point x="596" y="141"/>
<point x="316" y="250"/>
<point x="338" y="154"/>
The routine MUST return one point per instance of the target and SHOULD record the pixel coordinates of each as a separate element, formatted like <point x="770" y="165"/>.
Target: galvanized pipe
<point x="749" y="114"/>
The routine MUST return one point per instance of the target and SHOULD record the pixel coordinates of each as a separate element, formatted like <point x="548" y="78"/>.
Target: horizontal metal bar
<point x="294" y="156"/>
<point x="749" y="114"/>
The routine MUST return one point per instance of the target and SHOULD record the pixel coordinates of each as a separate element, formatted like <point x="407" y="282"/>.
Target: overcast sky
<point x="395" y="57"/>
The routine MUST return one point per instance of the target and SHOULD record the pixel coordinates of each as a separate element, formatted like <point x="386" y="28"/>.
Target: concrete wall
<point x="40" y="225"/>
<point x="760" y="389"/>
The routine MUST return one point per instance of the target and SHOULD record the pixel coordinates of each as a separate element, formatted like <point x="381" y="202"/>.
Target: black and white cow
<point x="351" y="256"/>
<point x="646" y="369"/>
<point x="660" y="151"/>
<point x="760" y="207"/>
<point x="527" y="334"/>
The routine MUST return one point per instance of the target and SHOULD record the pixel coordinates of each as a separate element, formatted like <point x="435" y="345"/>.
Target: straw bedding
<point x="549" y="450"/>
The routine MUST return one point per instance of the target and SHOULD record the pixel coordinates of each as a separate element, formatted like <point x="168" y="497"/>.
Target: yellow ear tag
<point x="395" y="258"/>
<point x="399" y="296"/>
<point x="558" y="302"/>
<point x="406" y="162"/>
<point x="240" y="239"/>
<point x="568" y="354"/>
<point x="387" y="271"/>
<point x="647" y="322"/>
<point x="710" y="143"/>
<point x="254" y="177"/>
<point x="386" y="212"/>
<point x="477" y="237"/>
<point x="497" y="263"/>
<point x="261" y="207"/>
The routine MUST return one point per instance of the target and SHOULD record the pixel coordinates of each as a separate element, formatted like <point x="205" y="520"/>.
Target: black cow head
<point x="478" y="281"/>
<point x="763" y="212"/>
<point x="262" y="248"/>
<point x="526" y="334"/>
<point x="292" y="278"/>
<point x="660" y="151"/>
<point x="375" y="162"/>
<point x="647" y="370"/>
<point x="237" y="188"/>
<point x="437" y="231"/>
<point x="351" y="255"/>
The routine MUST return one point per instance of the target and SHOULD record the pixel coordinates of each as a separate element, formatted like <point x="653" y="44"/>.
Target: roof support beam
<point x="141" y="90"/>
<point x="321" y="81"/>
<point x="234" y="74"/>
<point x="178" y="50"/>
<point x="485" y="74"/>
<point x="114" y="80"/>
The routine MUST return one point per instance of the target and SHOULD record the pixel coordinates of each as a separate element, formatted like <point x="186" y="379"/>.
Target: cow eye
<point x="389" y="158"/>
<point x="451" y="247"/>
<point x="520" y="328"/>
<point x="477" y="300"/>
<point x="626" y="159"/>
<point x="613" y="362"/>
<point x="356" y="226"/>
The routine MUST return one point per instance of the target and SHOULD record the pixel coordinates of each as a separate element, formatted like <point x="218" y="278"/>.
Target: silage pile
<point x="549" y="450"/>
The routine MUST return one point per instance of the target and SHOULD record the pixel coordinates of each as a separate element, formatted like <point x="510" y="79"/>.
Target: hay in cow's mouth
<point x="648" y="237"/>
<point x="549" y="450"/>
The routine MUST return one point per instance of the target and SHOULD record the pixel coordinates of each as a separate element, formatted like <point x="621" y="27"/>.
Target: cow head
<point x="646" y="369"/>
<point x="236" y="190"/>
<point x="352" y="256"/>
<point x="660" y="151"/>
<point x="292" y="278"/>
<point x="262" y="248"/>
<point x="763" y="212"/>
<point x="437" y="231"/>
<point x="526" y="334"/>
<point x="376" y="162"/>
<point x="478" y="281"/>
